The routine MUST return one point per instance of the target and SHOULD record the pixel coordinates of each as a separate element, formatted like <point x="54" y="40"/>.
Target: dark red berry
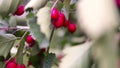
<point x="19" y="11"/>
<point x="30" y="40"/>
<point x="66" y="23"/>
<point x="29" y="63"/>
<point x="43" y="49"/>
<point x="71" y="27"/>
<point x="118" y="3"/>
<point x="11" y="65"/>
<point x="54" y="14"/>
<point x="59" y="23"/>
<point x="21" y="66"/>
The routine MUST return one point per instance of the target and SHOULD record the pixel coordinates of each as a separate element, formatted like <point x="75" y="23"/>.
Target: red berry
<point x="11" y="65"/>
<point x="72" y="27"/>
<point x="60" y="57"/>
<point x="118" y="3"/>
<point x="62" y="16"/>
<point x="59" y="23"/>
<point x="66" y="23"/>
<point x="19" y="11"/>
<point x="21" y="66"/>
<point x="43" y="49"/>
<point x="54" y="14"/>
<point x="30" y="41"/>
<point x="29" y="63"/>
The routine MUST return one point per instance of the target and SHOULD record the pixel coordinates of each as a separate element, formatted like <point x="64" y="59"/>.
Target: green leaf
<point x="2" y="58"/>
<point x="2" y="65"/>
<point x="35" y="49"/>
<point x="79" y="56"/>
<point x="6" y="43"/>
<point x="44" y="20"/>
<point x="49" y="60"/>
<point x="12" y="21"/>
<point x="19" y="33"/>
<point x="30" y="15"/>
<point x="19" y="55"/>
<point x="60" y="5"/>
<point x="35" y="30"/>
<point x="14" y="5"/>
<point x="4" y="6"/>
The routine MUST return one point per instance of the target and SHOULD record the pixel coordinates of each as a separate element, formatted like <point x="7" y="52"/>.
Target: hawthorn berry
<point x="30" y="40"/>
<point x="11" y="65"/>
<point x="62" y="16"/>
<point x="20" y="10"/>
<point x="118" y="3"/>
<point x="60" y="57"/>
<point x="29" y="63"/>
<point x="21" y="66"/>
<point x="59" y="23"/>
<point x="66" y="23"/>
<point x="72" y="27"/>
<point x="54" y="14"/>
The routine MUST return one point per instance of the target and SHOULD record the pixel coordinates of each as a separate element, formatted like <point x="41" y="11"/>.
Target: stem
<point x="54" y="4"/>
<point x="51" y="36"/>
<point x="19" y="54"/>
<point x="23" y="37"/>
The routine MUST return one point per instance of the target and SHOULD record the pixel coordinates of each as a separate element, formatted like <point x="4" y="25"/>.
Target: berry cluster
<point x="12" y="64"/>
<point x="19" y="11"/>
<point x="58" y="20"/>
<point x="30" y="40"/>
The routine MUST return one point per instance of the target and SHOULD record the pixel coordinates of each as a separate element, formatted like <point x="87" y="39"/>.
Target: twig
<point x="54" y="4"/>
<point x="22" y="37"/>
<point x="51" y="35"/>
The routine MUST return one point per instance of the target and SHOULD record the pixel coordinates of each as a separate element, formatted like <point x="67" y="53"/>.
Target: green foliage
<point x="49" y="60"/>
<point x="35" y="49"/>
<point x="19" y="55"/>
<point x="8" y="6"/>
<point x="2" y="65"/>
<point x="35" y="60"/>
<point x="35" y="30"/>
<point x="12" y="21"/>
<point x="6" y="43"/>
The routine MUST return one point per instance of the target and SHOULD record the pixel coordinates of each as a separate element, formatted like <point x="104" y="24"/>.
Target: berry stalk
<point x="52" y="29"/>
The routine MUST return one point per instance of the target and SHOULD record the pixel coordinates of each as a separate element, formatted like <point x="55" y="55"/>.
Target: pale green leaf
<point x="4" y="7"/>
<point x="14" y="5"/>
<point x="12" y="21"/>
<point x="44" y="20"/>
<point x="76" y="56"/>
<point x="35" y="30"/>
<point x="97" y="17"/>
<point x="35" y="4"/>
<point x="6" y="43"/>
